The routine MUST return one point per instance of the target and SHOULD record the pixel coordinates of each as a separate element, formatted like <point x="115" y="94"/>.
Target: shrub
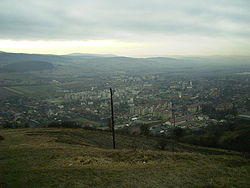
<point x="1" y="137"/>
<point x="161" y="144"/>
<point x="64" y="124"/>
<point x="236" y="140"/>
<point x="208" y="140"/>
<point x="144" y="129"/>
<point x="178" y="133"/>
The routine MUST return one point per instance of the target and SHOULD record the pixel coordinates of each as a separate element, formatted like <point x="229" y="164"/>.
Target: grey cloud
<point x="93" y="19"/>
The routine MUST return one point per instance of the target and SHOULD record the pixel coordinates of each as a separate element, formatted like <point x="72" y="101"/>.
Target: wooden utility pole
<point x="112" y="117"/>
<point x="173" y="130"/>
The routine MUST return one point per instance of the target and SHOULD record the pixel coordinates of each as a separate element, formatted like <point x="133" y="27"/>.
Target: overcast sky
<point x="131" y="27"/>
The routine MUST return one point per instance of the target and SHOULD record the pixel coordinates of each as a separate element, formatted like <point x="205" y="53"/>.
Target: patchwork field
<point x="42" y="90"/>
<point x="5" y="92"/>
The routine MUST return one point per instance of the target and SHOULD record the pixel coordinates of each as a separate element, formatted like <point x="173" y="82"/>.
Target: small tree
<point x="144" y="129"/>
<point x="161" y="144"/>
<point x="178" y="133"/>
<point x="1" y="137"/>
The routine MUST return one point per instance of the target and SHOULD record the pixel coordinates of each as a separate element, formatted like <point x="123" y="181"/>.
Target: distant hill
<point x="109" y="62"/>
<point x="90" y="55"/>
<point x="162" y="59"/>
<point x="27" y="66"/>
<point x="8" y="58"/>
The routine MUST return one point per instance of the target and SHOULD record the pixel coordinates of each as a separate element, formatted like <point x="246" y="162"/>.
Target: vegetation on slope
<point x="80" y="158"/>
<point x="234" y="136"/>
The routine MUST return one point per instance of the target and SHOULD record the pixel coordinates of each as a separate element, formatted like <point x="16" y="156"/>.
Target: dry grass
<point x="80" y="158"/>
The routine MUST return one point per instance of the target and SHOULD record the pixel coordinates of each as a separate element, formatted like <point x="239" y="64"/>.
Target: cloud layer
<point x="130" y="20"/>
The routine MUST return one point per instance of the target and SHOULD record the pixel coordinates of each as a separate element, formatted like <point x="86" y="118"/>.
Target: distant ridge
<point x="90" y="55"/>
<point x="109" y="62"/>
<point x="27" y="66"/>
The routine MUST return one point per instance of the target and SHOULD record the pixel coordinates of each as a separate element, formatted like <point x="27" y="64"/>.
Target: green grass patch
<point x="41" y="90"/>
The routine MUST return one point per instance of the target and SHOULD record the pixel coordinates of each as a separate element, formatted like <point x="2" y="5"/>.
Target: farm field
<point x="4" y="93"/>
<point x="42" y="90"/>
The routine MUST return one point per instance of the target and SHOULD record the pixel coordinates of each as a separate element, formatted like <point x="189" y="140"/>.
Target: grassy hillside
<point x="84" y="158"/>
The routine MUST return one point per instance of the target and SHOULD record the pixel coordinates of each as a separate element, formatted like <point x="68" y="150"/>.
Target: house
<point x="163" y="114"/>
<point x="224" y="106"/>
<point x="194" y="108"/>
<point x="158" y="130"/>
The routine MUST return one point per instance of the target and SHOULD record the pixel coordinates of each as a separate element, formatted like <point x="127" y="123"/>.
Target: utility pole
<point x="112" y="117"/>
<point x="173" y="127"/>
